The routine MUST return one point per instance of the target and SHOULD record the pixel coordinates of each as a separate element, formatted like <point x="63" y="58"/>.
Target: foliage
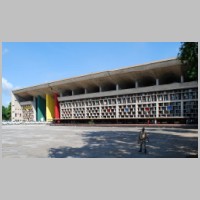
<point x="188" y="54"/>
<point x="3" y="113"/>
<point x="6" y="112"/>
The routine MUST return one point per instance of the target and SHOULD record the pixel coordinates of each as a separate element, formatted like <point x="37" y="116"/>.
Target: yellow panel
<point x="49" y="107"/>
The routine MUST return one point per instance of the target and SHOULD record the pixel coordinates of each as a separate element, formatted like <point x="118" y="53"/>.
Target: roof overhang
<point x="133" y="73"/>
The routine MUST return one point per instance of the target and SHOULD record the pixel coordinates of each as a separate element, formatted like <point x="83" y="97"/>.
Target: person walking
<point x="142" y="139"/>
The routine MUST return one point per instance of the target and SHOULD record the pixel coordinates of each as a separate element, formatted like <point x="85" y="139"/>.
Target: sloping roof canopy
<point x="140" y="73"/>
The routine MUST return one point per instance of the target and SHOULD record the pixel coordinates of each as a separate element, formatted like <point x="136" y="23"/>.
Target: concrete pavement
<point x="44" y="141"/>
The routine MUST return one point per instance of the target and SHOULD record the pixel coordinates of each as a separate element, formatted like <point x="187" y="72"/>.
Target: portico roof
<point x="152" y="70"/>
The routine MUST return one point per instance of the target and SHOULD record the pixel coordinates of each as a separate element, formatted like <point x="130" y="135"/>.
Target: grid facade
<point x="161" y="104"/>
<point x="27" y="112"/>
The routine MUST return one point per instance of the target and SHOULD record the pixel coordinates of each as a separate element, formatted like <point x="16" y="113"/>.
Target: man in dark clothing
<point x="142" y="139"/>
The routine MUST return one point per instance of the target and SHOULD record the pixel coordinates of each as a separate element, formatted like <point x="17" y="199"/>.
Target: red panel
<point x="56" y="108"/>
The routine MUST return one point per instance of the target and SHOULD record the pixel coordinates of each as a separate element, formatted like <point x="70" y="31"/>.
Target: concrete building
<point x="156" y="92"/>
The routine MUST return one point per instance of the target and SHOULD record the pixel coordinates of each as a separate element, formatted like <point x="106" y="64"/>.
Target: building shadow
<point x="123" y="144"/>
<point x="175" y="130"/>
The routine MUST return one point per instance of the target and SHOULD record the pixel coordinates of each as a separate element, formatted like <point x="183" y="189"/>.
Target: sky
<point x="26" y="64"/>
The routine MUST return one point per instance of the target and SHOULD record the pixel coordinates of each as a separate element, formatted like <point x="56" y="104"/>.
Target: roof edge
<point x="44" y="85"/>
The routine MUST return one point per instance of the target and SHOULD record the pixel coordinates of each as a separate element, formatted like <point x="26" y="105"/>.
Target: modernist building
<point x="157" y="91"/>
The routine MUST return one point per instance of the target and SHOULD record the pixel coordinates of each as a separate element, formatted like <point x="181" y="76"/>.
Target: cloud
<point x="6" y="86"/>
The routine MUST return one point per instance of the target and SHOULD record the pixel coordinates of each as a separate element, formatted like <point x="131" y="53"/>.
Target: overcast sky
<point x="31" y="63"/>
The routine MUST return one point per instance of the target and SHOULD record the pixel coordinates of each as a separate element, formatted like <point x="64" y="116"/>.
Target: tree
<point x="6" y="112"/>
<point x="188" y="54"/>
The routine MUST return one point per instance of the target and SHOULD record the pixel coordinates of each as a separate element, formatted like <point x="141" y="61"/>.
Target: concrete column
<point x="157" y="107"/>
<point x="56" y="107"/>
<point x="157" y="81"/>
<point x="117" y="86"/>
<point x="41" y="109"/>
<point x="100" y="89"/>
<point x="117" y="109"/>
<point x="182" y="105"/>
<point x="34" y="108"/>
<point x="182" y="79"/>
<point x="61" y="117"/>
<point x="72" y="112"/>
<point x="136" y="107"/>
<point x="100" y="110"/>
<point x="136" y="84"/>
<point x="72" y="92"/>
<point x="61" y="94"/>
<point x="85" y="109"/>
<point x="85" y="91"/>
<point x="49" y="107"/>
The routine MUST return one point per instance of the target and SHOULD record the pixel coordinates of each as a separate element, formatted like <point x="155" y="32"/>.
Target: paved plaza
<point x="44" y="141"/>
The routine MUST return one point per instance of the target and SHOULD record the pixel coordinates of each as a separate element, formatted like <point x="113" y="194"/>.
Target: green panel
<point x="41" y="109"/>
